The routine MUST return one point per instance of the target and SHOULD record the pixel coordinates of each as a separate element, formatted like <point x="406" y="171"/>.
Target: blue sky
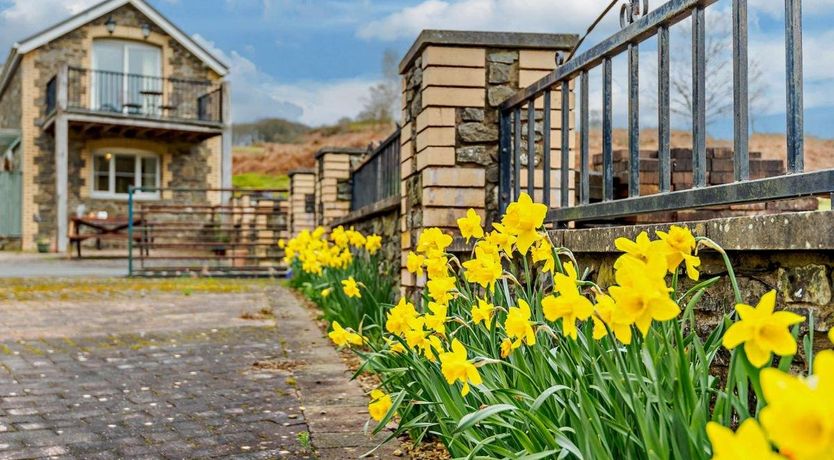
<point x="313" y="60"/>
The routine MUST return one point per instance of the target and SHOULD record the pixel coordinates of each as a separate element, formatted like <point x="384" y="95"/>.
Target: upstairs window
<point x="126" y="77"/>
<point x="115" y="172"/>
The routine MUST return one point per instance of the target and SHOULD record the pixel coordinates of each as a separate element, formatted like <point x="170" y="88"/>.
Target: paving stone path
<point x="175" y="377"/>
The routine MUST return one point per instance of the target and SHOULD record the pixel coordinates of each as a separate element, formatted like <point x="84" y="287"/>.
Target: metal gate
<point x="184" y="232"/>
<point x="10" y="203"/>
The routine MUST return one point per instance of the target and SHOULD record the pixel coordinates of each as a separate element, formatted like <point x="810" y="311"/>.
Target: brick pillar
<point x="453" y="83"/>
<point x="302" y="202"/>
<point x="332" y="187"/>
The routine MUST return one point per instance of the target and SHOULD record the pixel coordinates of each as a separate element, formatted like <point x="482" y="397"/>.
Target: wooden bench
<point x="77" y="239"/>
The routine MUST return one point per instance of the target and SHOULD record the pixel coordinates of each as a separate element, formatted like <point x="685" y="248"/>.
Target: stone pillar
<point x="302" y="201"/>
<point x="333" y="165"/>
<point x="453" y="83"/>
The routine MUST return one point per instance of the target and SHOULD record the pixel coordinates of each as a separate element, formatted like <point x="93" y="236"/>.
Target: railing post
<point x="793" y="70"/>
<point x="504" y="161"/>
<point x="740" y="97"/>
<point x="607" y="125"/>
<point x="130" y="191"/>
<point x="699" y="98"/>
<point x="61" y="160"/>
<point x="226" y="154"/>
<point x="663" y="111"/>
<point x="633" y="120"/>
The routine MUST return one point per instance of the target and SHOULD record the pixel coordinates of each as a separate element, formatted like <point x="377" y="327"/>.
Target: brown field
<point x="819" y="153"/>
<point x="278" y="159"/>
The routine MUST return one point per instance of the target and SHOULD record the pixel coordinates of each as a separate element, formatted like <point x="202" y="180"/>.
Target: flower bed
<point x="515" y="353"/>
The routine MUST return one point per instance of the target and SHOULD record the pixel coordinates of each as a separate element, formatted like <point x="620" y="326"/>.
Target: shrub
<point x="517" y="354"/>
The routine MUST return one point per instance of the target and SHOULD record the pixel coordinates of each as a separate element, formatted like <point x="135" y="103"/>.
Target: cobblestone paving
<point x="222" y="388"/>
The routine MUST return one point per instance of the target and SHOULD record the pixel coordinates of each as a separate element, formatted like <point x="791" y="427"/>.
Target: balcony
<point x="130" y="102"/>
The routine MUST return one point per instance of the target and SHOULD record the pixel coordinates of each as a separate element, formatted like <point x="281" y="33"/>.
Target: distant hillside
<point x="268" y="130"/>
<point x="298" y="151"/>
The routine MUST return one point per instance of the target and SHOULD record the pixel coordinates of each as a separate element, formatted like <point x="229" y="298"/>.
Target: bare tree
<point x="382" y="101"/>
<point x="718" y="61"/>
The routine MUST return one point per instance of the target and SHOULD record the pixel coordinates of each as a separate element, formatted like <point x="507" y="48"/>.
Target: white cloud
<point x="499" y="15"/>
<point x="22" y="18"/>
<point x="256" y="94"/>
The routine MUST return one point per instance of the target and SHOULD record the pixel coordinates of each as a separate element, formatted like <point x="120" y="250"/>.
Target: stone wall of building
<point x="10" y="103"/>
<point x="192" y="163"/>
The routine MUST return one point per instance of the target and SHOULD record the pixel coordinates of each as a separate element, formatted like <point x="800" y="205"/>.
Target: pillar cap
<point x="477" y="39"/>
<point x="295" y="171"/>
<point x="345" y="150"/>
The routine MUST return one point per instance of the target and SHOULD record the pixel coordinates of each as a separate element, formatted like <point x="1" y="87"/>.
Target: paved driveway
<point x="167" y="375"/>
<point x="28" y="265"/>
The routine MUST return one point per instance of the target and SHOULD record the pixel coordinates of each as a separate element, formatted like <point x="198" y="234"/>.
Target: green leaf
<point x="470" y="420"/>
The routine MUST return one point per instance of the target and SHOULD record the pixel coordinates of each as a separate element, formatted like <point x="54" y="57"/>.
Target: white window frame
<point x="126" y="46"/>
<point x="111" y="194"/>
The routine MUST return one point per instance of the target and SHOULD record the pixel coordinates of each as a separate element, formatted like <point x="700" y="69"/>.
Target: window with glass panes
<point x="115" y="172"/>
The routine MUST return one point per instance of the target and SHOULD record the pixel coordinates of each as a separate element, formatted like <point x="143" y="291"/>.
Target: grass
<point x="69" y="289"/>
<point x="260" y="181"/>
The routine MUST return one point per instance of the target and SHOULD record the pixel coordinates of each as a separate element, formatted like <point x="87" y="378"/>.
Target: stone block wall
<point x="453" y="84"/>
<point x="332" y="189"/>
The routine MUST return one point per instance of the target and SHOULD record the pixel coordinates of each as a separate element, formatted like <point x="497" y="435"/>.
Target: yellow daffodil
<point x="351" y="288"/>
<point x="456" y="367"/>
<point x="282" y="243"/>
<point x="501" y="238"/>
<point x="441" y="289"/>
<point x="379" y="405"/>
<point x="506" y="347"/>
<point x="342" y="337"/>
<point x="748" y="442"/>
<point x="414" y="263"/>
<point x="680" y="244"/>
<point x="437" y="267"/>
<point x="518" y="325"/>
<point x="570" y="305"/>
<point x="339" y="236"/>
<point x="831" y="335"/>
<point x="543" y="252"/>
<point x="373" y="243"/>
<point x="799" y="415"/>
<point x="604" y="315"/>
<point x="482" y="312"/>
<point x="326" y="292"/>
<point x="355" y="238"/>
<point x="395" y="346"/>
<point x="436" y="321"/>
<point x="470" y="226"/>
<point x="485" y="269"/>
<point x="762" y="331"/>
<point x="433" y="242"/>
<point x="641" y="294"/>
<point x="399" y="317"/>
<point x="638" y="249"/>
<point x="417" y="338"/>
<point x="523" y="219"/>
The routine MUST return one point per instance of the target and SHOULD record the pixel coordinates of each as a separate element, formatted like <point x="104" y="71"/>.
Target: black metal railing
<point x="639" y="25"/>
<point x="140" y="95"/>
<point x="377" y="177"/>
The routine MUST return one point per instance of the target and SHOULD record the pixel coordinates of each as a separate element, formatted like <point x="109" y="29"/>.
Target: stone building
<point x="113" y="97"/>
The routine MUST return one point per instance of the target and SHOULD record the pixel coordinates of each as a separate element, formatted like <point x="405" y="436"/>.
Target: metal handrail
<point x="639" y="26"/>
<point x="377" y="176"/>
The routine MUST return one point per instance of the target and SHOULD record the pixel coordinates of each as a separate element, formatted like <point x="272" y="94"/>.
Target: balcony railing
<point x="378" y="176"/>
<point x="518" y="112"/>
<point x="142" y="96"/>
